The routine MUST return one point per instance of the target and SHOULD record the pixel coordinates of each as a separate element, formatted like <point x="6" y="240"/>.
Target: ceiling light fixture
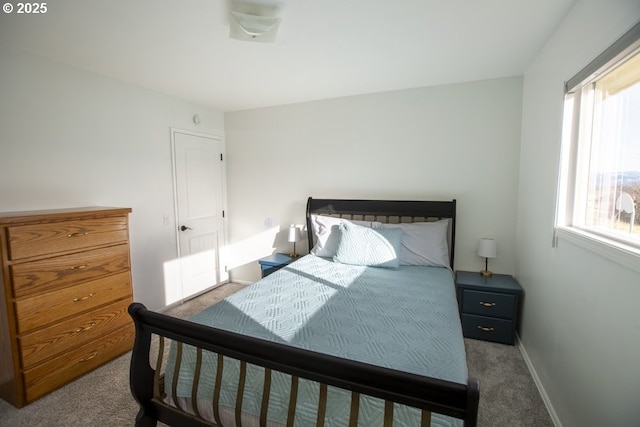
<point x="255" y="28"/>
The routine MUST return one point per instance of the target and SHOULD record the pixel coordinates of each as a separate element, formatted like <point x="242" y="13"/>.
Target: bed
<point x="347" y="335"/>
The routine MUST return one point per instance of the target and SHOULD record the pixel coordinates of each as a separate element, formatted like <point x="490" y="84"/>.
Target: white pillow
<point x="424" y="243"/>
<point x="326" y="235"/>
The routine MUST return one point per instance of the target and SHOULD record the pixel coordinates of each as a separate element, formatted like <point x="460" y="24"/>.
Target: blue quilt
<point x="405" y="319"/>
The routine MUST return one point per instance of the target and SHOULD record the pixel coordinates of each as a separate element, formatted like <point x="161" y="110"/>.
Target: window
<point x="599" y="192"/>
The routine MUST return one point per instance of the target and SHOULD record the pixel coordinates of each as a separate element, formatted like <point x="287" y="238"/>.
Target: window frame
<point x="616" y="249"/>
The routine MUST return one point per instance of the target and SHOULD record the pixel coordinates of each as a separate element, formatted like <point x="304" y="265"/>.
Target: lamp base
<point x="486" y="273"/>
<point x="294" y="255"/>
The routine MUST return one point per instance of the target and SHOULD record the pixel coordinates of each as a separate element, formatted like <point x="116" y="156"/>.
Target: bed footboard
<point x="428" y="394"/>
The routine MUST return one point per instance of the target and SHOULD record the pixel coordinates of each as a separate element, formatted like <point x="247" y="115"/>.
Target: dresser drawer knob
<point x="86" y="328"/>
<point x="485" y="329"/>
<point x="83" y="298"/>
<point x="487" y="304"/>
<point x="86" y="359"/>
<point x="70" y="235"/>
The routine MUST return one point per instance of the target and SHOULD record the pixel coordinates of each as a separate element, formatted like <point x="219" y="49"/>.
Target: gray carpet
<point x="508" y="395"/>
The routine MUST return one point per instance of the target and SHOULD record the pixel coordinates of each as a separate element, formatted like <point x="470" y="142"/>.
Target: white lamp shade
<point x="294" y="235"/>
<point x="487" y="248"/>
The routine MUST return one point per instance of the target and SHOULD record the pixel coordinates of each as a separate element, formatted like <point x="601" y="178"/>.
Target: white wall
<point x="457" y="141"/>
<point x="72" y="138"/>
<point x="581" y="325"/>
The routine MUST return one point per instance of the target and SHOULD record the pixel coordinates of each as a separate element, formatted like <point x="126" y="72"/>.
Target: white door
<point x="198" y="181"/>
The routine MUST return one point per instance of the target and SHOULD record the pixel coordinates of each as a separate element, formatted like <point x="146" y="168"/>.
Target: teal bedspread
<point x="405" y="319"/>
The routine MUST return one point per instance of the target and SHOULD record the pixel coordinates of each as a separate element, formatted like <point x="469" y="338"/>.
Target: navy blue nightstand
<point x="488" y="306"/>
<point x="274" y="262"/>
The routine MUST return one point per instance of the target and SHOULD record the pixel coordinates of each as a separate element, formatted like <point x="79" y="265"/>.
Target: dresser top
<point x="59" y="214"/>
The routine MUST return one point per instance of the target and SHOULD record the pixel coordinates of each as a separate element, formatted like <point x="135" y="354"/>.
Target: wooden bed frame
<point x="429" y="394"/>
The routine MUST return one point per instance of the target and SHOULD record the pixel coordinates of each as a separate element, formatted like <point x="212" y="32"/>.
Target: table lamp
<point x="294" y="236"/>
<point x="487" y="249"/>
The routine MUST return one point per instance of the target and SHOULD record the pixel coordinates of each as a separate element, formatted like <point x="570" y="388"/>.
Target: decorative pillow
<point x="424" y="243"/>
<point x="326" y="234"/>
<point x="368" y="246"/>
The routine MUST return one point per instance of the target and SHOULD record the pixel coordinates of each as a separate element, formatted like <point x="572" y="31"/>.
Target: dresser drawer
<point x="58" y="371"/>
<point x="40" y="345"/>
<point x="56" y="237"/>
<point x="488" y="304"/>
<point x="43" y="309"/>
<point x="54" y="273"/>
<point x="488" y="329"/>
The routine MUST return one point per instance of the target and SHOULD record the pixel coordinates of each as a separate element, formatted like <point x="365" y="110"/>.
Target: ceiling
<point x="323" y="49"/>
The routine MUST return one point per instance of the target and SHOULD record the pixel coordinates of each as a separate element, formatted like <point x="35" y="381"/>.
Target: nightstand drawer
<point x="488" y="329"/>
<point x="488" y="304"/>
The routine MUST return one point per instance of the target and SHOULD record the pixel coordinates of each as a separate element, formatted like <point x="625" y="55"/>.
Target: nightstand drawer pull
<point x="485" y="329"/>
<point x="487" y="304"/>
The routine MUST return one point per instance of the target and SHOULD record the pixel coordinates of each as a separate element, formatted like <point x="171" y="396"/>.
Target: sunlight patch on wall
<point x="250" y="249"/>
<point x="172" y="287"/>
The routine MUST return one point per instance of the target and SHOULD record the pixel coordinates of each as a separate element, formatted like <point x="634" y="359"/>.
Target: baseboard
<point x="242" y="282"/>
<point x="536" y="380"/>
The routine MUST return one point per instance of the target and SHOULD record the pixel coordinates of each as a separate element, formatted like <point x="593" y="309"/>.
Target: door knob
<point x="185" y="228"/>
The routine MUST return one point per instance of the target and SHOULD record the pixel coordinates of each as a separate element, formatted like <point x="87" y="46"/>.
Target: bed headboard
<point x="386" y="211"/>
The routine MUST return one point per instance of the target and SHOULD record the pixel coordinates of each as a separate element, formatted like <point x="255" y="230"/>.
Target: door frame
<point x="222" y="273"/>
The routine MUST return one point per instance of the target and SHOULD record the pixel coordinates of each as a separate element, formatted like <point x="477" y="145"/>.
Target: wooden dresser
<point x="66" y="277"/>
